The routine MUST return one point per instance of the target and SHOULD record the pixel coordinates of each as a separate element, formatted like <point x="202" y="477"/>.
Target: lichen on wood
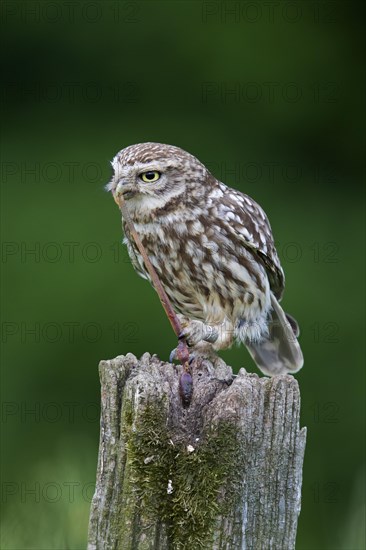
<point x="225" y="472"/>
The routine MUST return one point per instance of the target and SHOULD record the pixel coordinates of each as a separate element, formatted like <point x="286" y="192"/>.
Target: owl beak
<point x="124" y="190"/>
<point x="116" y="199"/>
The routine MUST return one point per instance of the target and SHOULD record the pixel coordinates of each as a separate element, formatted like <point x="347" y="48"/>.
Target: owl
<point x="213" y="250"/>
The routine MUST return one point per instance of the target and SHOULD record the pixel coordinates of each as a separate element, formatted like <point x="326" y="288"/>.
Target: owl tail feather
<point x="278" y="352"/>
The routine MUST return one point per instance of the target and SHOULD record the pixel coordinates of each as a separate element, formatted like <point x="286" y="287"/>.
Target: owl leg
<point x="205" y="339"/>
<point x="220" y="335"/>
<point x="197" y="331"/>
<point x="226" y="335"/>
<point x="197" y="335"/>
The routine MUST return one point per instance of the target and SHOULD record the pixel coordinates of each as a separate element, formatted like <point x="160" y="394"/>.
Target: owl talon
<point x="174" y="357"/>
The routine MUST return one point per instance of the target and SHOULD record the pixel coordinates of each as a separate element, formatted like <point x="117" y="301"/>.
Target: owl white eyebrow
<point x="152" y="165"/>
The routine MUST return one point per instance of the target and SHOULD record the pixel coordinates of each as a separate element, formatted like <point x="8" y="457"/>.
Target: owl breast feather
<point x="204" y="275"/>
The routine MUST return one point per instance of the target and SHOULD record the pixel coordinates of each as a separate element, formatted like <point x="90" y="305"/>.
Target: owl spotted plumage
<point x="213" y="250"/>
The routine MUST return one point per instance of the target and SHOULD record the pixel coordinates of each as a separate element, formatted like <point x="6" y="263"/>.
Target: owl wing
<point x="279" y="351"/>
<point x="249" y="223"/>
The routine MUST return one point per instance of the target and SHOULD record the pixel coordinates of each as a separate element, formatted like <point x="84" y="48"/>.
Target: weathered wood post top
<point x="223" y="473"/>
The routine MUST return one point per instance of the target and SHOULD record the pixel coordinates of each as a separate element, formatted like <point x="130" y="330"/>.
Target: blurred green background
<point x="270" y="96"/>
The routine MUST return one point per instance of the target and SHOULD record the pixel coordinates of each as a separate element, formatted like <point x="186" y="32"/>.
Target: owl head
<point x="148" y="175"/>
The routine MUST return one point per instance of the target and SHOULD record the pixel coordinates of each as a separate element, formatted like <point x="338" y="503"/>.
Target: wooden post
<point x="224" y="473"/>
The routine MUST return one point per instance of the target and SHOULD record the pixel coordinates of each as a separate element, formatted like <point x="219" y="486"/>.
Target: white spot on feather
<point x="216" y="193"/>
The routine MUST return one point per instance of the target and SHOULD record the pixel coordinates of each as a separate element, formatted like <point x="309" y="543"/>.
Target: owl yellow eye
<point x="148" y="177"/>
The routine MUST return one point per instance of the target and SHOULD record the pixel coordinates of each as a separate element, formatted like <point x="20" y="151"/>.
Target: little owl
<point x="213" y="250"/>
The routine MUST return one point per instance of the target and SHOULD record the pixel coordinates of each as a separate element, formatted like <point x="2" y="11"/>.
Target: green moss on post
<point x="177" y="485"/>
<point x="224" y="473"/>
